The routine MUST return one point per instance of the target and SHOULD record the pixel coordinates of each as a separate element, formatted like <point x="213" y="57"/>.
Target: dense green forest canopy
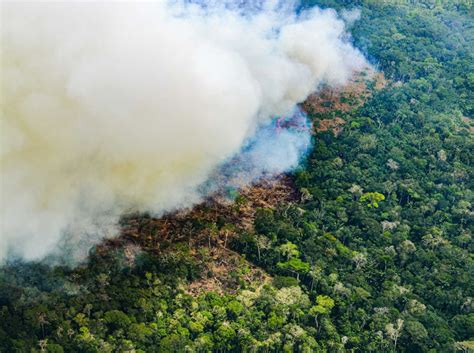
<point x="376" y="257"/>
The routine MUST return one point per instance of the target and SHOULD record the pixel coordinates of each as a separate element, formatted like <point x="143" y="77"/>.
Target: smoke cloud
<point x="108" y="107"/>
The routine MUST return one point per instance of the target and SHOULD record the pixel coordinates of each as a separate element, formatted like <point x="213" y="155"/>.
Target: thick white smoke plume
<point x="108" y="107"/>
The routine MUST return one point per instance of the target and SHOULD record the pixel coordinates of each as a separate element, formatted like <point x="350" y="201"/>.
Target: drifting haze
<point x="111" y="107"/>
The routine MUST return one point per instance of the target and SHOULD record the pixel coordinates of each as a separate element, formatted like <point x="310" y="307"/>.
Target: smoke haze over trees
<point x="110" y="107"/>
<point x="371" y="251"/>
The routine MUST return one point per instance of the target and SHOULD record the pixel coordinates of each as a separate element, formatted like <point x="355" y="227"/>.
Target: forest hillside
<point x="366" y="247"/>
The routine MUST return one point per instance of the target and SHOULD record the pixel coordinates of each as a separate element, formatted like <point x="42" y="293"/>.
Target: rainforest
<point x="237" y="176"/>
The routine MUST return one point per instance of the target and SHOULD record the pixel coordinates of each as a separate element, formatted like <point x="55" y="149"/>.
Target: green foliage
<point x="373" y="199"/>
<point x="323" y="306"/>
<point x="295" y="266"/>
<point x="116" y="319"/>
<point x="366" y="275"/>
<point x="284" y="281"/>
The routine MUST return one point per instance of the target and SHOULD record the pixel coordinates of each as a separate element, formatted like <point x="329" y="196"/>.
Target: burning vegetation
<point x="208" y="229"/>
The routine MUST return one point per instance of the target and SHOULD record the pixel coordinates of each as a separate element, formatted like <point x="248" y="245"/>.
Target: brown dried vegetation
<point x="342" y="100"/>
<point x="208" y="228"/>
